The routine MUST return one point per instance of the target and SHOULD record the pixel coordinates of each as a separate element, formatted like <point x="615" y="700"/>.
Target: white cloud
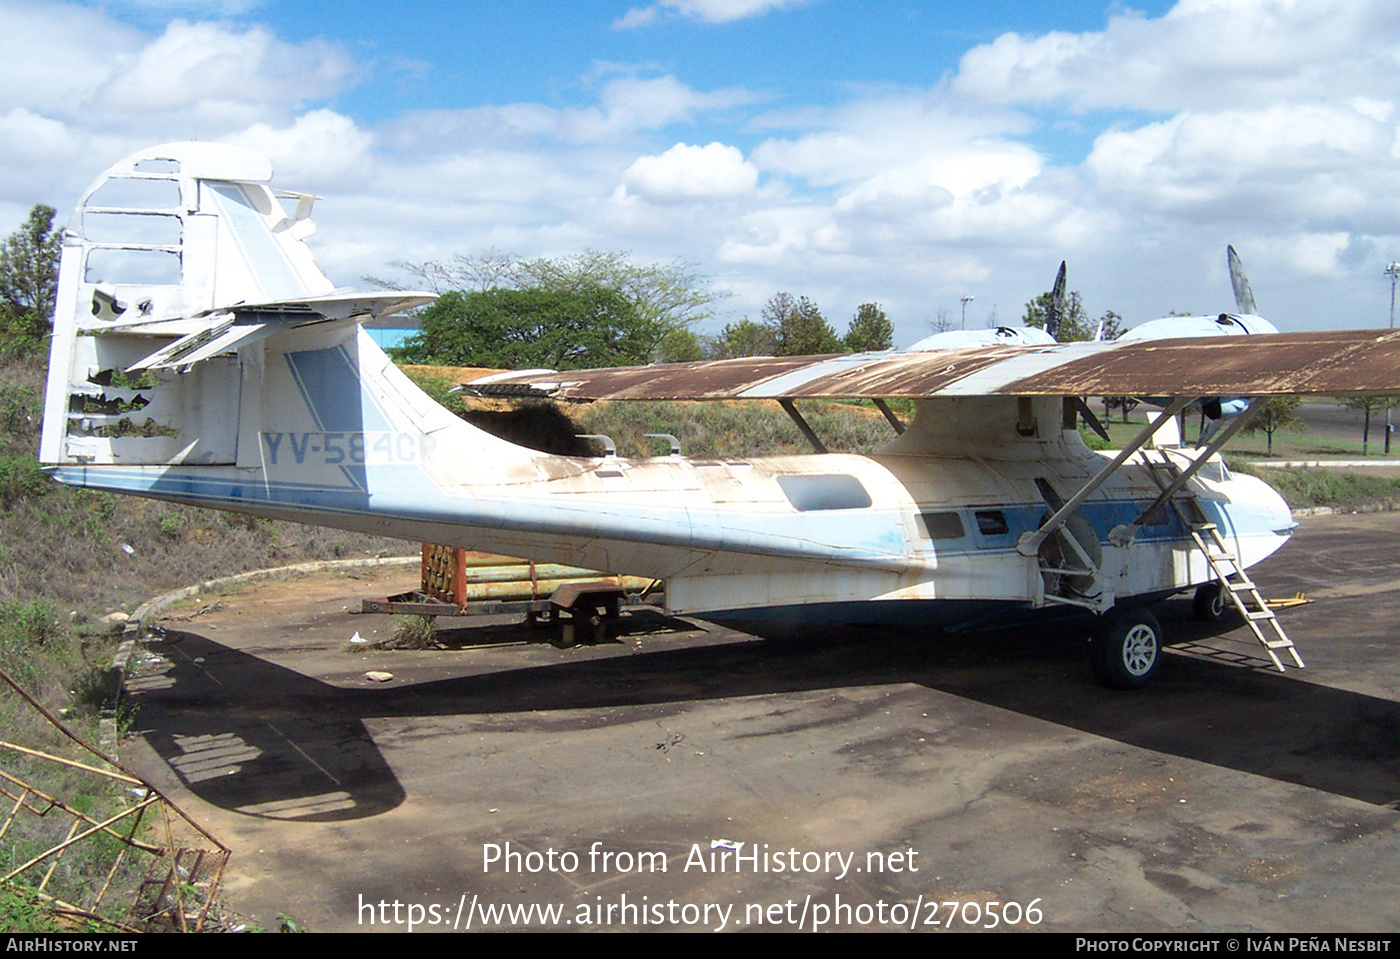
<point x="194" y="8"/>
<point x="1270" y="123"/>
<point x="1316" y="254"/>
<point x="626" y="106"/>
<point x="53" y="56"/>
<point x="1202" y="54"/>
<point x="685" y="173"/>
<point x="705" y="11"/>
<point x="630" y="104"/>
<point x="216" y="69"/>
<point x="76" y="64"/>
<point x="1282" y="165"/>
<point x="318" y="150"/>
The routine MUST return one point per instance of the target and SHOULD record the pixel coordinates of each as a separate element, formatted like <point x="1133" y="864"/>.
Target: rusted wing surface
<point x="1337" y="362"/>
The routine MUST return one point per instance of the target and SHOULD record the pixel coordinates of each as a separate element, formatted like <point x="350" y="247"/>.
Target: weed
<point x="21" y="910"/>
<point x="286" y="923"/>
<point x="21" y="477"/>
<point x="410" y="632"/>
<point x="98" y="689"/>
<point x="174" y="524"/>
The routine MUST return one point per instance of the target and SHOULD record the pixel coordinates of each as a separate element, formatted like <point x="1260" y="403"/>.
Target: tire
<point x="1126" y="648"/>
<point x="1210" y="604"/>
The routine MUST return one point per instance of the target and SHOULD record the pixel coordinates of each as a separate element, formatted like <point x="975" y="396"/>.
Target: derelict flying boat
<point x="200" y="355"/>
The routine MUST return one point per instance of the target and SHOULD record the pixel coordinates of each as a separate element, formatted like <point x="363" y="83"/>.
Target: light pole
<point x="967" y="298"/>
<point x="1392" y="271"/>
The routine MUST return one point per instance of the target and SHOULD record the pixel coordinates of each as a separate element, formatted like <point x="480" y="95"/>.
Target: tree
<point x="1367" y="402"/>
<point x="1276" y="414"/>
<point x="745" y="338"/>
<point x="665" y="296"/>
<point x="1110" y="327"/>
<point x="1074" y="324"/>
<point x="870" y="330"/>
<point x="799" y="328"/>
<point x="1125" y="403"/>
<point x="679" y="346"/>
<point x="29" y="276"/>
<point x="524" y="329"/>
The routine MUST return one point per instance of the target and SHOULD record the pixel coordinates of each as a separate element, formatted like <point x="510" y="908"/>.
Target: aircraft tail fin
<point x="176" y="259"/>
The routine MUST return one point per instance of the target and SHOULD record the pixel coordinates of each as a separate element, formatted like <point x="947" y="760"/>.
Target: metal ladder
<point x="1223" y="563"/>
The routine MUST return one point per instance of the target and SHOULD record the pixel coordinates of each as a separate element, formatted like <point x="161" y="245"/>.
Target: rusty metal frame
<point x="170" y="877"/>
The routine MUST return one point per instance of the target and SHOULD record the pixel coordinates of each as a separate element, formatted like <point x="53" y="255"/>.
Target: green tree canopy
<point x="29" y="276"/>
<point x="666" y="297"/>
<point x="1277" y="413"/>
<point x="1367" y="403"/>
<point x="870" y="330"/>
<point x="744" y="337"/>
<point x="1074" y="325"/>
<point x="526" y="329"/>
<point x="799" y="329"/>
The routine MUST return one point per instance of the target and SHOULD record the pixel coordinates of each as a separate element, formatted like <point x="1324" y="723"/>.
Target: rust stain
<point x="1332" y="362"/>
<point x="1335" y="362"/>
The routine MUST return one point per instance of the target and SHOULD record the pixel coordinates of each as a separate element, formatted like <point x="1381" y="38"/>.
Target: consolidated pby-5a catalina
<point x="200" y="355"/>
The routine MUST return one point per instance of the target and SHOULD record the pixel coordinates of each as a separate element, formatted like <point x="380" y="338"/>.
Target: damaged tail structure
<point x="200" y="355"/>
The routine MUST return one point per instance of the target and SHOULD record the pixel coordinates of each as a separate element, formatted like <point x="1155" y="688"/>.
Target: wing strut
<point x="1029" y="543"/>
<point x="884" y="407"/>
<point x="791" y="409"/>
<point x="1216" y="442"/>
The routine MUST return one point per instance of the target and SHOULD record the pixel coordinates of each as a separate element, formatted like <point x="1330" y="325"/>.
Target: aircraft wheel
<point x="1210" y="604"/>
<point x="1126" y="648"/>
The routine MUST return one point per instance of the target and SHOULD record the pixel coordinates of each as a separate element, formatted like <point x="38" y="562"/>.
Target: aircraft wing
<point x="1338" y="363"/>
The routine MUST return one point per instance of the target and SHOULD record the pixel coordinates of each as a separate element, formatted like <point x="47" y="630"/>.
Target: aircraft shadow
<point x="283" y="745"/>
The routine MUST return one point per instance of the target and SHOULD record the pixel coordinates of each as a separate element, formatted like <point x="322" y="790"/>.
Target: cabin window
<point x="835" y="491"/>
<point x="991" y="522"/>
<point x="940" y="526"/>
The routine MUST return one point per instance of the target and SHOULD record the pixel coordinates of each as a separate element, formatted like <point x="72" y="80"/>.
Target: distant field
<point x="1332" y="431"/>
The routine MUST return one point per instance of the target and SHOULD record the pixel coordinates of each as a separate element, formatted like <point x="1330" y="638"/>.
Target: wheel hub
<point x="1140" y="650"/>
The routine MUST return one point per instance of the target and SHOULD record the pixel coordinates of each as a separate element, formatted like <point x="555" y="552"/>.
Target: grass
<point x="21" y="910"/>
<point x="732" y="429"/>
<point x="1310" y="488"/>
<point x="1288" y="444"/>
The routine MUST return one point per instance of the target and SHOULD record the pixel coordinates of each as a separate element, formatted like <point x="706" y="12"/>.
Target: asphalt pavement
<point x="687" y="776"/>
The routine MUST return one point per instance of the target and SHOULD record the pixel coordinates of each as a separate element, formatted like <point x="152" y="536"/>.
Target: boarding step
<point x="1223" y="562"/>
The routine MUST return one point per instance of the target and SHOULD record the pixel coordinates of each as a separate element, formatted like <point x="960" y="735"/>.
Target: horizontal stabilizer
<point x="248" y="324"/>
<point x="338" y="306"/>
<point x="222" y="337"/>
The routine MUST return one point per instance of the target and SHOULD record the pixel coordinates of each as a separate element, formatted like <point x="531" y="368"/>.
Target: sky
<point x="909" y="154"/>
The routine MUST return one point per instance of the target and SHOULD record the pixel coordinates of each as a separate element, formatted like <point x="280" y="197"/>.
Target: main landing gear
<point x="1126" y="648"/>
